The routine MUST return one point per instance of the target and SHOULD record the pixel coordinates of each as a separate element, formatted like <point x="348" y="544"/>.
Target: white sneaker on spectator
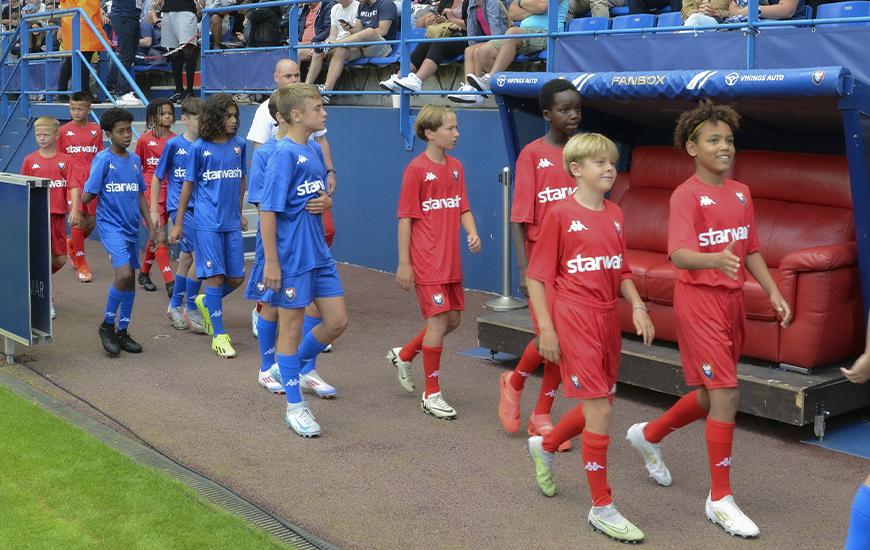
<point x="412" y="83"/>
<point x="460" y="97"/>
<point x="390" y="84"/>
<point x="480" y="83"/>
<point x="129" y="100"/>
<point x="242" y="99"/>
<point x="323" y="98"/>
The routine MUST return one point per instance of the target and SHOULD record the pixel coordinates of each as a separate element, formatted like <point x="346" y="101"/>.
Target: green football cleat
<point x="206" y="316"/>
<point x="611" y="523"/>
<point x="543" y="465"/>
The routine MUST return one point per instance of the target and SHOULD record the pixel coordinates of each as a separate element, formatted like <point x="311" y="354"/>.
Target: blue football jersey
<point x="258" y="170"/>
<point x="171" y="167"/>
<point x="117" y="181"/>
<point x="294" y="175"/>
<point x="217" y="170"/>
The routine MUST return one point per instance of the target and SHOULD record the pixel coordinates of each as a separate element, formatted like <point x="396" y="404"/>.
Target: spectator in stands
<point x="485" y="18"/>
<point x="315" y="22"/>
<point x="151" y="11"/>
<point x="11" y="14"/>
<point x="599" y="8"/>
<point x="776" y="9"/>
<point x="647" y="6"/>
<point x="496" y="55"/>
<point x="180" y="30"/>
<point x="704" y="12"/>
<point x="88" y="42"/>
<point x="219" y="22"/>
<point x="427" y="56"/>
<point x="342" y="10"/>
<point x="262" y="26"/>
<point x="125" y="23"/>
<point x="376" y="20"/>
<point x="150" y="52"/>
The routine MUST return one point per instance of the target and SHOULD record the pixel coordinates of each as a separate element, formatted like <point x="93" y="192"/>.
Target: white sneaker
<point x="543" y="465"/>
<point x="403" y="369"/>
<point x="53" y="309"/>
<point x="480" y="83"/>
<point x="174" y="315"/>
<point x="437" y="407"/>
<point x="390" y="84"/>
<point x="726" y="513"/>
<point x="313" y="381"/>
<point x="323" y="98"/>
<point x="271" y="379"/>
<point x="300" y="419"/>
<point x="652" y="454"/>
<point x="327" y="349"/>
<point x="411" y="83"/>
<point x="462" y="97"/>
<point x="129" y="100"/>
<point x="609" y="521"/>
<point x="194" y="320"/>
<point x="255" y="316"/>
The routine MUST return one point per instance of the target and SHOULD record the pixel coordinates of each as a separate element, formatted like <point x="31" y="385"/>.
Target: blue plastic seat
<point x="590" y="24"/>
<point x="671" y="19"/>
<point x="636" y="21"/>
<point x="394" y="57"/>
<point x="843" y="9"/>
<point x="618" y="10"/>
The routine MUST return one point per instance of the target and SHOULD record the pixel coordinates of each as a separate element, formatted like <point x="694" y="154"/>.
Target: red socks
<point x="684" y="412"/>
<point x="148" y="260"/>
<point x="77" y="235"/>
<point x="54" y="269"/>
<point x="549" y="386"/>
<point x="571" y="425"/>
<point x="594" y="449"/>
<point x="431" y="367"/>
<point x="720" y="436"/>
<point x="529" y="362"/>
<point x="412" y="348"/>
<point x="162" y="256"/>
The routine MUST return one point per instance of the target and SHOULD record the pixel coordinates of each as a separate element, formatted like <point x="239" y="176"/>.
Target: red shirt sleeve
<point x="544" y="264"/>
<point x="681" y="222"/>
<point x="754" y="244"/>
<point x="409" y="198"/>
<point x="140" y="147"/>
<point x="463" y="203"/>
<point x="523" y="208"/>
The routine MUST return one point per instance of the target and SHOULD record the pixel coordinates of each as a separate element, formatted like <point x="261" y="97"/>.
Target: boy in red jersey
<point x="540" y="183"/>
<point x="711" y="237"/>
<point x="48" y="162"/>
<point x="81" y="140"/>
<point x="432" y="205"/>
<point x="581" y="253"/>
<point x="160" y="116"/>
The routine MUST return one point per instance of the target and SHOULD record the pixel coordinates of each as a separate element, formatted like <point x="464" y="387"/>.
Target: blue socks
<point x="859" y="524"/>
<point x="214" y="301"/>
<point x="227" y="289"/>
<point x="193" y="286"/>
<point x="308" y="324"/>
<point x="288" y="365"/>
<point x="126" y="309"/>
<point x="308" y="350"/>
<point x="178" y="291"/>
<point x="266" y="335"/>
<point x="112" y="304"/>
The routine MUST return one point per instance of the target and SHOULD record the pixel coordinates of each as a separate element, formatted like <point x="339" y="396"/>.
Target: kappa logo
<point x="740" y="197"/>
<point x="438" y="299"/>
<point x="456" y="175"/>
<point x="544" y="163"/>
<point x="301" y="159"/>
<point x="430" y="176"/>
<point x="270" y="351"/>
<point x="290" y="293"/>
<point x="292" y="382"/>
<point x="593" y="467"/>
<point x="218" y="313"/>
<point x="726" y="463"/>
<point x="618" y="228"/>
<point x="152" y="143"/>
<point x="208" y="264"/>
<point x="207" y="154"/>
<point x="435" y="374"/>
<point x="181" y="152"/>
<point x="111" y="166"/>
<point x="68" y="134"/>
<point x="575" y="381"/>
<point x="551" y="393"/>
<point x="165" y="269"/>
<point x="123" y="320"/>
<point x="708" y="370"/>
<point x="261" y="288"/>
<point x="577" y="226"/>
<point x="237" y="150"/>
<point x="706" y="201"/>
<point x="35" y="166"/>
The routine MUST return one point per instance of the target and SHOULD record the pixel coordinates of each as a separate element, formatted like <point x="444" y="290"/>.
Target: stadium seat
<point x="671" y="19"/>
<point x="843" y="9"/>
<point x="229" y="35"/>
<point x="636" y="21"/>
<point x="394" y="56"/>
<point x="618" y="10"/>
<point x="590" y="24"/>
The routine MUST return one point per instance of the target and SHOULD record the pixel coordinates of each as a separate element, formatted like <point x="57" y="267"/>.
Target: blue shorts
<point x="121" y="251"/>
<point x="188" y="233"/>
<point x="298" y="291"/>
<point x="219" y="253"/>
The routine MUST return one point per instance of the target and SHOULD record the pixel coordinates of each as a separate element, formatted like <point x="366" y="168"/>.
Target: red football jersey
<point x="149" y="147"/>
<point x="59" y="170"/>
<point x="541" y="181"/>
<point x="582" y="252"/>
<point x="81" y="144"/>
<point x="705" y="219"/>
<point x="433" y="196"/>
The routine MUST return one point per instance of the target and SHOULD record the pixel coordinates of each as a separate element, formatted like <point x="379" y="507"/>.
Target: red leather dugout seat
<point x="803" y="218"/>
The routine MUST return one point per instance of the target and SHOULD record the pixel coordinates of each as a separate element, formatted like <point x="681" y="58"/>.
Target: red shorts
<point x="89" y="209"/>
<point x="435" y="299"/>
<point x="551" y="299"/>
<point x="161" y="204"/>
<point x="590" y="342"/>
<point x="328" y="227"/>
<point x="58" y="234"/>
<point x="711" y="328"/>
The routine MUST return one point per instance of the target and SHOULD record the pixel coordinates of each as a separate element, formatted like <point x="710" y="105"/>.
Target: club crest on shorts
<point x="237" y="150"/>
<point x="456" y="175"/>
<point x="618" y="228"/>
<point x="708" y="370"/>
<point x="61" y="165"/>
<point x="261" y="288"/>
<point x="208" y="264"/>
<point x="740" y="197"/>
<point x="438" y="299"/>
<point x="576" y="381"/>
<point x="290" y="293"/>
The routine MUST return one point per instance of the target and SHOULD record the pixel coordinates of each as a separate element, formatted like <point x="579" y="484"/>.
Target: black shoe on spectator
<point x="60" y="98"/>
<point x="126" y="342"/>
<point x="145" y="281"/>
<point x="170" y="288"/>
<point x="177" y="97"/>
<point x="109" y="338"/>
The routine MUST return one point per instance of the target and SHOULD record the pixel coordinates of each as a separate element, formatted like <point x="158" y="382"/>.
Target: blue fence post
<point x="76" y="47"/>
<point x="552" y="28"/>
<point x="25" y="69"/>
<point x="752" y="16"/>
<point x="405" y="69"/>
<point x="293" y="31"/>
<point x="49" y="47"/>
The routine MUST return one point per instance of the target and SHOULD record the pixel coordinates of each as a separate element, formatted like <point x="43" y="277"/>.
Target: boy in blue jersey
<point x="298" y="268"/>
<point x="171" y="167"/>
<point x="116" y="177"/>
<point x="215" y="176"/>
<point x="267" y="316"/>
